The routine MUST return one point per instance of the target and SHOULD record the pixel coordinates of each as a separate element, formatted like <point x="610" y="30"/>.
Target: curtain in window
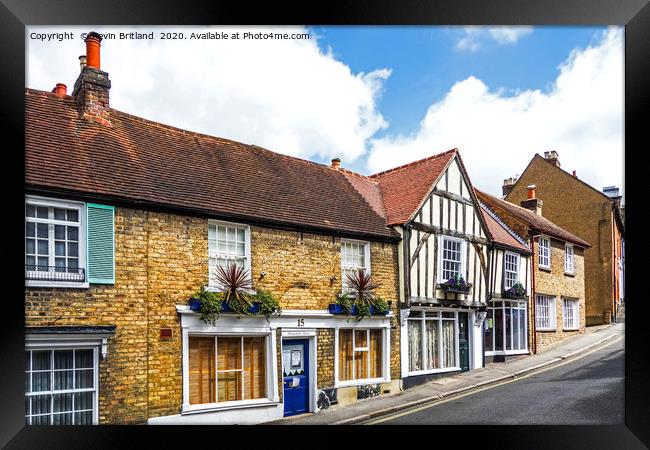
<point x="431" y="344"/>
<point x="415" y="344"/>
<point x="201" y="370"/>
<point x="345" y="355"/>
<point x="375" y="353"/>
<point x="448" y="344"/>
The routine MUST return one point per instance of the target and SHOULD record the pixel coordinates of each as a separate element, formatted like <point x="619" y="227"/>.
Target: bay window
<point x="360" y="354"/>
<point x="432" y="342"/>
<point x="545" y="312"/>
<point x="226" y="368"/>
<point x="61" y="386"/>
<point x="354" y="256"/>
<point x="571" y="314"/>
<point x="506" y="327"/>
<point x="228" y="244"/>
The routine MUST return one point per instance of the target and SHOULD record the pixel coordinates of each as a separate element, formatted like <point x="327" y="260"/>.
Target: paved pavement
<point x="365" y="410"/>
<point x="588" y="390"/>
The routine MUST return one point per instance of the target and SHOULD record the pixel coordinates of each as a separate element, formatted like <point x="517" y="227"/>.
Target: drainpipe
<point x="532" y="288"/>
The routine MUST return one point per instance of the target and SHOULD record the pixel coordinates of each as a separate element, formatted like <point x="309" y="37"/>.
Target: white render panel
<point x="426" y="212"/>
<point x="423" y="268"/>
<point x="444" y="212"/>
<point x="432" y="266"/>
<point x="413" y="272"/>
<point x="435" y="204"/>
<point x="454" y="215"/>
<point x="498" y="272"/>
<point x="469" y="216"/>
<point x="453" y="173"/>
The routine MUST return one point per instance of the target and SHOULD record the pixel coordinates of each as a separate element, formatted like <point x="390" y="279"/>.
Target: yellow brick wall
<point x="582" y="211"/>
<point x="160" y="260"/>
<point x="556" y="283"/>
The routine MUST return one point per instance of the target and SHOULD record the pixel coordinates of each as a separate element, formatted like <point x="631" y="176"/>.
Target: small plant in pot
<point x="361" y="289"/>
<point x="268" y="304"/>
<point x="516" y="291"/>
<point x="456" y="284"/>
<point x="209" y="305"/>
<point x="237" y="288"/>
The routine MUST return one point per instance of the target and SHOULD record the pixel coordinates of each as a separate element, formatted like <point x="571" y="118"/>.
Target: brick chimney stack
<point x="508" y="184"/>
<point x="92" y="85"/>
<point x="336" y="163"/>
<point x="532" y="202"/>
<point x="552" y="157"/>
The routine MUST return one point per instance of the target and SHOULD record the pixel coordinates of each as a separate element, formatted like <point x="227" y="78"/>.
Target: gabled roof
<point x="500" y="232"/>
<point x="148" y="163"/>
<point x="534" y="221"/>
<point x="403" y="188"/>
<point x="616" y="210"/>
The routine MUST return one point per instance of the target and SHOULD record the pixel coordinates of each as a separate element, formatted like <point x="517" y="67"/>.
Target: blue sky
<point x="376" y="97"/>
<point x="426" y="63"/>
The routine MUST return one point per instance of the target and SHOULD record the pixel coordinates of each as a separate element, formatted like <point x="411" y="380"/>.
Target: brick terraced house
<point x="126" y="218"/>
<point x="558" y="272"/>
<point x="588" y="213"/>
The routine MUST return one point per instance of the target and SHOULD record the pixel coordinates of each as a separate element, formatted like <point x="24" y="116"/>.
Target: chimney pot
<point x="552" y="157"/>
<point x="531" y="190"/>
<point x="93" y="44"/>
<point x="60" y="90"/>
<point x="82" y="62"/>
<point x="336" y="163"/>
<point x="574" y="174"/>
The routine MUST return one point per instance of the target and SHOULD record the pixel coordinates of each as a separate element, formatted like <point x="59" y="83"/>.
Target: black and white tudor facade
<point x="444" y="239"/>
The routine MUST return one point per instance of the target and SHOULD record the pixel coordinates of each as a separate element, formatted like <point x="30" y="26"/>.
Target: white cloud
<point x="286" y="95"/>
<point x="474" y="37"/>
<point x="581" y="117"/>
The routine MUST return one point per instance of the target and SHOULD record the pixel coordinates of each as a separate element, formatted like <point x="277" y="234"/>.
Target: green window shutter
<point x="101" y="243"/>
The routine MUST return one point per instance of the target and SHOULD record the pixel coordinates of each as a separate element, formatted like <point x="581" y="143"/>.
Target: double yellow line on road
<point x="434" y="403"/>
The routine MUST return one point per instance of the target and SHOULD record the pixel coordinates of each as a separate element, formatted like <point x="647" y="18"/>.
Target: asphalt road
<point x="586" y="391"/>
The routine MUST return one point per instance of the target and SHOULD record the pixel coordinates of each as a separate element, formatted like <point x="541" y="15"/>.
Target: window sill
<point x="425" y="372"/>
<point x="218" y="289"/>
<point x="507" y="352"/>
<point x="544" y="268"/>
<point x="58" y="284"/>
<point x="214" y="407"/>
<point x="546" y="329"/>
<point x="569" y="274"/>
<point x="365" y="381"/>
<point x="571" y="329"/>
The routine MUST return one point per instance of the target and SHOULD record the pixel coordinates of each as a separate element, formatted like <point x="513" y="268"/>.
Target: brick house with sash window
<point x="126" y="218"/>
<point x="557" y="284"/>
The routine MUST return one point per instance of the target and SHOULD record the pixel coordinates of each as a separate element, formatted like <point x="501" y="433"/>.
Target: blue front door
<point x="295" y="372"/>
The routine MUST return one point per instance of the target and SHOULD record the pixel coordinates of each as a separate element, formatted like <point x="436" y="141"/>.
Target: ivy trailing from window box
<point x="268" y="304"/>
<point x="210" y="305"/>
<point x="517" y="291"/>
<point x="456" y="284"/>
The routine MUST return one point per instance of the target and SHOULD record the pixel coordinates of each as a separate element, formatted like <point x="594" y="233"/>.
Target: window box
<point x="456" y="284"/>
<point x="335" y="308"/>
<point x="516" y="292"/>
<point x="195" y="305"/>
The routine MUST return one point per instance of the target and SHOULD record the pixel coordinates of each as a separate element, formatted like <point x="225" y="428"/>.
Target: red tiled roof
<point x="403" y="188"/>
<point x="143" y="161"/>
<point x="500" y="233"/>
<point x="533" y="220"/>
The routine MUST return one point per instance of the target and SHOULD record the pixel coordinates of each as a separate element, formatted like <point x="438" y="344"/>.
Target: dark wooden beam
<point x="452" y="196"/>
<point x="421" y="242"/>
<point x="458" y="234"/>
